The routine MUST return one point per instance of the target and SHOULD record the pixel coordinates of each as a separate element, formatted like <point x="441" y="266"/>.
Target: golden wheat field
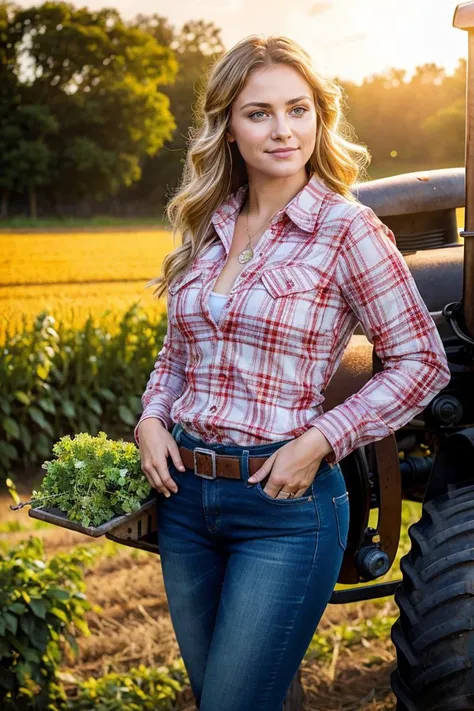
<point x="77" y="274"/>
<point x="74" y="275"/>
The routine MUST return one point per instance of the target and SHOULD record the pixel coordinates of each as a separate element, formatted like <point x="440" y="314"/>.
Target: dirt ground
<point x="134" y="625"/>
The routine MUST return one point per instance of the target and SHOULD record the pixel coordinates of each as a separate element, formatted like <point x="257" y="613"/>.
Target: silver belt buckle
<point x="213" y="455"/>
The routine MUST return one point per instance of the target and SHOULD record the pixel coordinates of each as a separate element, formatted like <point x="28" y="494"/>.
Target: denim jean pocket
<point x="293" y="501"/>
<point x="341" y="510"/>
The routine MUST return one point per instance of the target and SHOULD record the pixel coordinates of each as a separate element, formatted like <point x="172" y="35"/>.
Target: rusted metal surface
<point x="355" y="369"/>
<point x="420" y="191"/>
<point x="438" y="275"/>
<point x="464" y="19"/>
<point x="390" y="491"/>
<point x="468" y="283"/>
<point x="362" y="363"/>
<point x="387" y="473"/>
<point x="464" y="16"/>
<point x="419" y="207"/>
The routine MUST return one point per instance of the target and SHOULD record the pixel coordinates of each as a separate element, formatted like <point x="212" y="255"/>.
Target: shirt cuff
<point x="336" y="436"/>
<point x="145" y="417"/>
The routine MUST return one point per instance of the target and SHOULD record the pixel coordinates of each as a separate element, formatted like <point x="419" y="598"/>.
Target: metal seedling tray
<point x="132" y="526"/>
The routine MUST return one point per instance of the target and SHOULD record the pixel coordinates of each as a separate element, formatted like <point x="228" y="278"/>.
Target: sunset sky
<point x="347" y="38"/>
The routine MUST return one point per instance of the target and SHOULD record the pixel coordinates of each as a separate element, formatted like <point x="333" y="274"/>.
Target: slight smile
<point x="283" y="152"/>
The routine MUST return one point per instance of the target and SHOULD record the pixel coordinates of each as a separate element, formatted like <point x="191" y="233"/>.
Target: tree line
<point x="95" y="110"/>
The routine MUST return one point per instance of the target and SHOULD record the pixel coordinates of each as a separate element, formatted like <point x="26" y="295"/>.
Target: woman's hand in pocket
<point x="156" y="444"/>
<point x="293" y="466"/>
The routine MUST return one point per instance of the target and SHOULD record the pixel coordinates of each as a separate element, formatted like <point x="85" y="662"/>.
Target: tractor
<point x="430" y="460"/>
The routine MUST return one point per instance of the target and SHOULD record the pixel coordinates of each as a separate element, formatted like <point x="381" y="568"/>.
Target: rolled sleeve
<point x="379" y="288"/>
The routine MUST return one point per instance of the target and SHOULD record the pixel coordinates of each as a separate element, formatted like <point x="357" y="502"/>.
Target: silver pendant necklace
<point x="247" y="253"/>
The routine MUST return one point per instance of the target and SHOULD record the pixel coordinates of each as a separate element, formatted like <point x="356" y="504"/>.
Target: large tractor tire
<point x="434" y="635"/>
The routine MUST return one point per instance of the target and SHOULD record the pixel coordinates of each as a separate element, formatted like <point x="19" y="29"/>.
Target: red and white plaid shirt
<point x="324" y="264"/>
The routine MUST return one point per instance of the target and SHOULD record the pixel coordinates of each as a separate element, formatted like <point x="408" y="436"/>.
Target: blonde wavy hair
<point x="214" y="167"/>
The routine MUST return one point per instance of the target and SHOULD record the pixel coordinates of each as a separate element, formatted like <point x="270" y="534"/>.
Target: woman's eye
<point x="255" y="113"/>
<point x="302" y="108"/>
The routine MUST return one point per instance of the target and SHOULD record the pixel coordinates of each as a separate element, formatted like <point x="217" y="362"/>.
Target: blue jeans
<point x="247" y="577"/>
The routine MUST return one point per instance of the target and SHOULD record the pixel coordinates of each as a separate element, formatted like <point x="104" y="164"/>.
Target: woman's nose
<point x="282" y="129"/>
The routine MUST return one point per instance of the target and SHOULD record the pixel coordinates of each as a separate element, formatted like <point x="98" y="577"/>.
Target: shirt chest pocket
<point x="292" y="307"/>
<point x="291" y="280"/>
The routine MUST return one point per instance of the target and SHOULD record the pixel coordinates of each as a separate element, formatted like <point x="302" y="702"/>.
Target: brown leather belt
<point x="208" y="464"/>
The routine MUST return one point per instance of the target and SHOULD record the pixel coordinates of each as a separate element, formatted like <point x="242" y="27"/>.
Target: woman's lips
<point x="283" y="154"/>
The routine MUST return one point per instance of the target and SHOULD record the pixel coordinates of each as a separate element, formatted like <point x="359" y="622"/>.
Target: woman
<point x="278" y="264"/>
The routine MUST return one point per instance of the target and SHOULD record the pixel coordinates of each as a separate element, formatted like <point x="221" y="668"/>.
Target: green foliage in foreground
<point x="56" y="379"/>
<point x="42" y="606"/>
<point x="93" y="479"/>
<point x="139" y="689"/>
<point x="42" y="611"/>
<point x="348" y="635"/>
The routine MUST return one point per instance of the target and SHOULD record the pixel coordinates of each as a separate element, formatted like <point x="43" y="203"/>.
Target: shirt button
<point x="213" y="408"/>
<point x="290" y="283"/>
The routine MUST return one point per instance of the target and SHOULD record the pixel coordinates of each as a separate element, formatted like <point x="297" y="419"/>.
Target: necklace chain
<point x="247" y="253"/>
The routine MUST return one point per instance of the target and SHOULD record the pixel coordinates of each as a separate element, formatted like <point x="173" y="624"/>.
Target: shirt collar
<point x="303" y="209"/>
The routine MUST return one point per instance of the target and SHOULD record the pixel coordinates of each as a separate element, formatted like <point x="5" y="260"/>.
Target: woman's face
<point x="281" y="123"/>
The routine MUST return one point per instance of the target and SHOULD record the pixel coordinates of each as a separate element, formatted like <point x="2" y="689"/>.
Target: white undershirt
<point x="216" y="304"/>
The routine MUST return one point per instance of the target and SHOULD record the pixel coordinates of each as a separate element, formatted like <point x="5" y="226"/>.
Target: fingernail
<point x="181" y="467"/>
<point x="251" y="478"/>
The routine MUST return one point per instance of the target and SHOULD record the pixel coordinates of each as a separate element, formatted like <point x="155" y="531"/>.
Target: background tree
<point x="197" y="45"/>
<point x="26" y="155"/>
<point x="391" y="115"/>
<point x="98" y="79"/>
